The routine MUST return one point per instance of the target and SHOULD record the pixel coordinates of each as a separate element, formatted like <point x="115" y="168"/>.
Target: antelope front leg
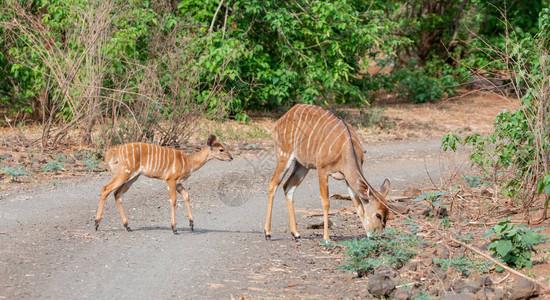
<point x="280" y="170"/>
<point x="323" y="187"/>
<point x="172" y="192"/>
<point x="105" y="191"/>
<point x="185" y="195"/>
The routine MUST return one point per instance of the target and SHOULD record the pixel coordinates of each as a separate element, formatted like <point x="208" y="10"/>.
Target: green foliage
<point x="431" y="200"/>
<point x="518" y="147"/>
<point x="90" y="159"/>
<point x="390" y="248"/>
<point x="421" y="84"/>
<point x="475" y="181"/>
<point x="308" y="52"/>
<point x="445" y="222"/>
<point x="422" y="295"/>
<point x="55" y="165"/>
<point x="265" y="54"/>
<point x="513" y="244"/>
<point x="544" y="185"/>
<point x="464" y="264"/>
<point x="14" y="172"/>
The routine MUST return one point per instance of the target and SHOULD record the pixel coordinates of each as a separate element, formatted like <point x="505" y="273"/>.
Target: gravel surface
<point x="51" y="250"/>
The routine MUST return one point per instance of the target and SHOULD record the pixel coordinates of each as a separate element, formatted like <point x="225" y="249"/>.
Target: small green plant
<point x="445" y="222"/>
<point x="55" y="165"/>
<point x="464" y="264"/>
<point x="475" y="181"/>
<point x="422" y="295"/>
<point x="91" y="163"/>
<point x="412" y="225"/>
<point x="468" y="238"/>
<point x="14" y="172"/>
<point x="513" y="244"/>
<point x="531" y="274"/>
<point x="52" y="166"/>
<point x="431" y="200"/>
<point x="390" y="248"/>
<point x="327" y="244"/>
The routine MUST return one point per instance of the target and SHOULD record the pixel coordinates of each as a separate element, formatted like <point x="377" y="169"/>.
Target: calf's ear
<point x="211" y="140"/>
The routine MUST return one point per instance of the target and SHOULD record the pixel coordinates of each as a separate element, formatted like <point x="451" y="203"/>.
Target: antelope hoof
<point x="192" y="225"/>
<point x="96" y="224"/>
<point x="267" y="236"/>
<point x="297" y="237"/>
<point x="127" y="227"/>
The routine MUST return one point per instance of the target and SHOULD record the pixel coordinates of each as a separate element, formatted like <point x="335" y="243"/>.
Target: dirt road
<point x="49" y="248"/>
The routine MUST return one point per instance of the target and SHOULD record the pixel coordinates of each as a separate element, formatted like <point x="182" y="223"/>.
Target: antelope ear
<point x="363" y="189"/>
<point x="385" y="188"/>
<point x="211" y="140"/>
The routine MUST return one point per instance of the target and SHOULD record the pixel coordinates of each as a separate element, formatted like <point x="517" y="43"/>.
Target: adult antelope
<point x="128" y="162"/>
<point x="311" y="137"/>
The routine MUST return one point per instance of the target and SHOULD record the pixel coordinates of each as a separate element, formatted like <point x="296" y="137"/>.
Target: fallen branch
<point x="543" y="285"/>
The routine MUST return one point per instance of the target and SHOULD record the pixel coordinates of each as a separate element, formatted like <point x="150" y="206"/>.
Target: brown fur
<point x="128" y="162"/>
<point x="311" y="137"/>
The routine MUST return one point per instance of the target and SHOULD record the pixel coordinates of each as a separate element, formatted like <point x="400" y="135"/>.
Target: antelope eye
<point x="221" y="150"/>
<point x="379" y="216"/>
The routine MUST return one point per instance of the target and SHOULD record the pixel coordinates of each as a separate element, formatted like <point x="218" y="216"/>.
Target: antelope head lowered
<point x="311" y="137"/>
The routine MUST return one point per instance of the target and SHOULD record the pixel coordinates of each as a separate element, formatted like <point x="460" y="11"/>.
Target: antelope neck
<point x="198" y="159"/>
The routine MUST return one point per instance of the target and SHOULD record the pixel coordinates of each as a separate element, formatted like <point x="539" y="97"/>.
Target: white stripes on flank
<point x="336" y="139"/>
<point x="139" y="155"/>
<point x="342" y="147"/>
<point x="313" y="130"/>
<point x="154" y="158"/>
<point x="127" y="155"/>
<point x="152" y="154"/>
<point x="328" y="135"/>
<point x="159" y="161"/>
<point x="310" y="132"/>
<point x="174" y="162"/>
<point x="293" y="132"/>
<point x="166" y="160"/>
<point x="148" y="157"/>
<point x="320" y="136"/>
<point x="134" y="157"/>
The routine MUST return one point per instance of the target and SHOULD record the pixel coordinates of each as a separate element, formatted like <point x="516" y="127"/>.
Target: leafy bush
<point x="513" y="244"/>
<point x="515" y="155"/>
<point x="390" y="248"/>
<point x="421" y="84"/>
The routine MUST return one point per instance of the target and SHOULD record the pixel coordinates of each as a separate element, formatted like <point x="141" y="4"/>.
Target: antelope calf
<point x="128" y="162"/>
<point x="311" y="137"/>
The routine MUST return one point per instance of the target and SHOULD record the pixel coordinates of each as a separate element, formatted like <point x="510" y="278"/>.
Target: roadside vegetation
<point x="93" y="74"/>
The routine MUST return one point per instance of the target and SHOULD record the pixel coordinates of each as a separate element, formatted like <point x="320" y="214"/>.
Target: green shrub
<point x="513" y="244"/>
<point x="421" y="84"/>
<point x="389" y="248"/>
<point x="515" y="155"/>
